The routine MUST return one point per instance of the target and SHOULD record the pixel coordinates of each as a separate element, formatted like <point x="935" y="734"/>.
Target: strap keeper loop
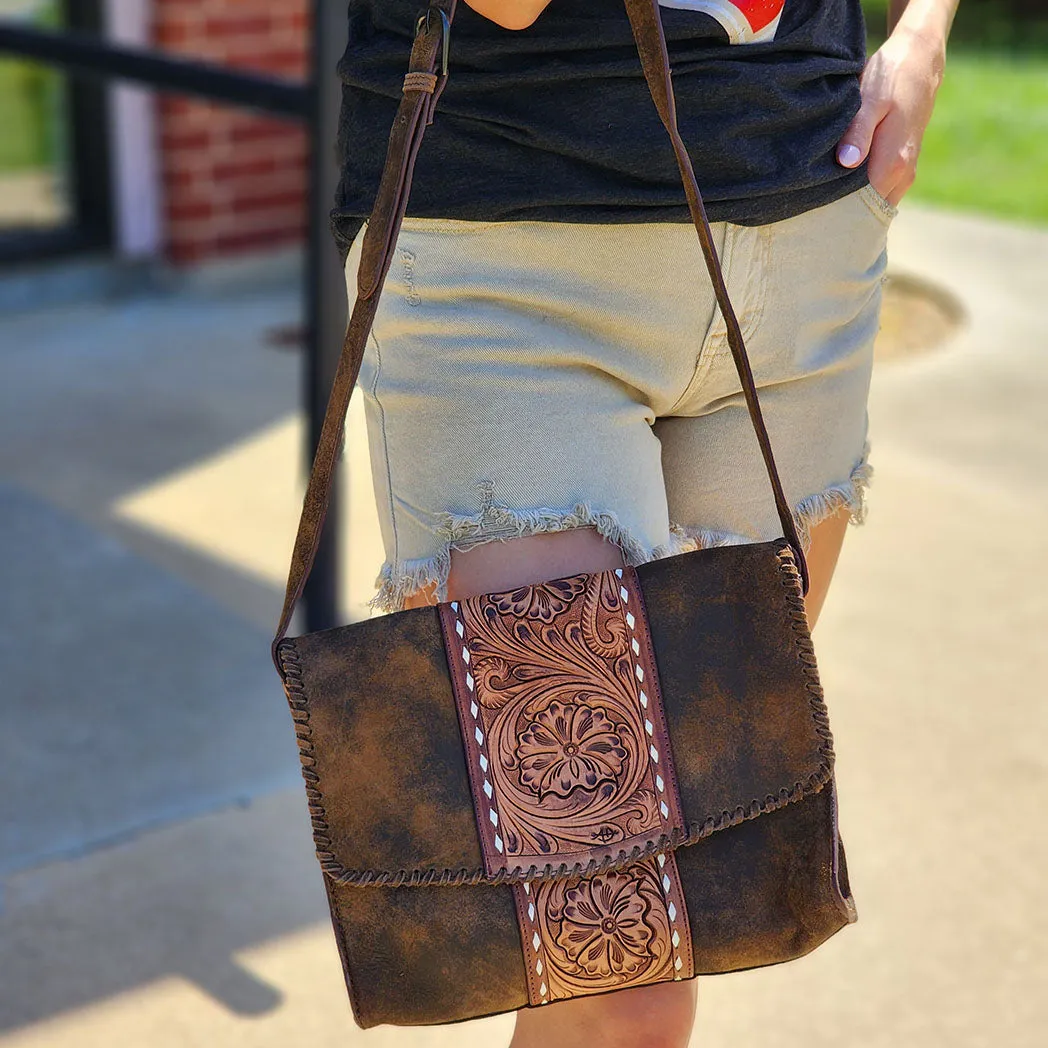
<point x="420" y="81"/>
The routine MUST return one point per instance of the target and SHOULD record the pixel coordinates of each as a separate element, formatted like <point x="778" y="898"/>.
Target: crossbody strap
<point x="425" y="80"/>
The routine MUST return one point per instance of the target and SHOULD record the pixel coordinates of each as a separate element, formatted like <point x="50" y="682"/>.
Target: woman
<point x="548" y="367"/>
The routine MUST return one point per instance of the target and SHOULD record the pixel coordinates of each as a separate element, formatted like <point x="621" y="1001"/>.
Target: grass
<point x="27" y="97"/>
<point x="987" y="146"/>
<point x="30" y="97"/>
<point x="986" y="149"/>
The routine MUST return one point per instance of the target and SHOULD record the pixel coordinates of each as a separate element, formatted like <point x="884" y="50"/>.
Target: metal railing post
<point x="318" y="103"/>
<point x="325" y="296"/>
<point x="83" y="53"/>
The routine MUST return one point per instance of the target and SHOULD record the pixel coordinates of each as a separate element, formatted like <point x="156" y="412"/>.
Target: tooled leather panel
<point x="613" y="931"/>
<point x="562" y="722"/>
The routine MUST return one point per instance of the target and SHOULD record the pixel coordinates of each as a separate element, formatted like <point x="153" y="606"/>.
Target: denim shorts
<point x="527" y="377"/>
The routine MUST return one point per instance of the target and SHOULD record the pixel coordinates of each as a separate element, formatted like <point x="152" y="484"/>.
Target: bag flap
<point x="382" y="747"/>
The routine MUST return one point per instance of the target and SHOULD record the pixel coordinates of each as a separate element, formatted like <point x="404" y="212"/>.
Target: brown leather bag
<point x="581" y="785"/>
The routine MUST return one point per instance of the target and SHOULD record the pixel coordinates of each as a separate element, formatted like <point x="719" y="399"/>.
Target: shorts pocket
<point x="879" y="205"/>
<point x="421" y="224"/>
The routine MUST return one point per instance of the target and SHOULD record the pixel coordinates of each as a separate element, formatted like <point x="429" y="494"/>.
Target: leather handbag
<point x="581" y="785"/>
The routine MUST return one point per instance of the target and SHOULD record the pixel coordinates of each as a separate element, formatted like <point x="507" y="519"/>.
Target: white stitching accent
<point x="649" y="727"/>
<point x="536" y="944"/>
<point x="474" y="709"/>
<point x="671" y="912"/>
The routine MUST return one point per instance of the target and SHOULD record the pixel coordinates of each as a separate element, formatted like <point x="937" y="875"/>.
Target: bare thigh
<point x="633" y="1016"/>
<point x="497" y="566"/>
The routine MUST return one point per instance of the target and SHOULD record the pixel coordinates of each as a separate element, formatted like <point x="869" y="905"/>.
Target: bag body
<point x="580" y="785"/>
<point x="430" y="930"/>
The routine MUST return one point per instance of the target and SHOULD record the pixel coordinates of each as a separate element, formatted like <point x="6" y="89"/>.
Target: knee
<point x="495" y="566"/>
<point x="659" y="1016"/>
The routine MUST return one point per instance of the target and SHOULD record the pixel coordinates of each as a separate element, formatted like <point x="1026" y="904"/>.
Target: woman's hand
<point x="899" y="85"/>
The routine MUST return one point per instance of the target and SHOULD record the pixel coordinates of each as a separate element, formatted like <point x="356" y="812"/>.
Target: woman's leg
<point x="659" y="1016"/>
<point x="827" y="538"/>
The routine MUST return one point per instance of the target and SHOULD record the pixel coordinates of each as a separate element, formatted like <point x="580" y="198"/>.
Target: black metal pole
<point x="325" y="290"/>
<point x="84" y="53"/>
<point x="325" y="296"/>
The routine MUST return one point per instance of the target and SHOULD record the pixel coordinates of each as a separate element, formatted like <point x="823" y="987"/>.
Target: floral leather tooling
<point x="569" y="761"/>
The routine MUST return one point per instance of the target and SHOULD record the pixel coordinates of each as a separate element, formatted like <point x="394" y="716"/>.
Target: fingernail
<point x="849" y="155"/>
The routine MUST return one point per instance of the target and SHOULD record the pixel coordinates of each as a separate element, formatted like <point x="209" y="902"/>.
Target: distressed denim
<point x="527" y="377"/>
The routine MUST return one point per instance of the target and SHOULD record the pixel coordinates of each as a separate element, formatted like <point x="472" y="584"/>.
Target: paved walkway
<point x="159" y="885"/>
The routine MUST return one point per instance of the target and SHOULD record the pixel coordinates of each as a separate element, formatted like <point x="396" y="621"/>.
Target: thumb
<point x="854" y="146"/>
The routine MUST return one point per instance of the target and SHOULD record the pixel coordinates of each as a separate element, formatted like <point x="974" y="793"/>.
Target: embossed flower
<point x="567" y="747"/>
<point x="543" y="601"/>
<point x="603" y="929"/>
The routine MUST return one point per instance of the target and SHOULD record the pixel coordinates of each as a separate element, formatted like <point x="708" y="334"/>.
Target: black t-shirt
<point x="555" y="122"/>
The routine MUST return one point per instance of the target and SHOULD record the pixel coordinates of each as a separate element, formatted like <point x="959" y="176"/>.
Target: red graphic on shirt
<point x="745" y="21"/>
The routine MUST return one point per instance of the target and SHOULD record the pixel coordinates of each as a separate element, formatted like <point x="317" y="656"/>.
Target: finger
<point x="898" y="189"/>
<point x="854" y="146"/>
<point x="892" y="158"/>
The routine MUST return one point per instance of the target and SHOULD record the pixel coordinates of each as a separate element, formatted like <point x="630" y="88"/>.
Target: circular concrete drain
<point x="916" y="317"/>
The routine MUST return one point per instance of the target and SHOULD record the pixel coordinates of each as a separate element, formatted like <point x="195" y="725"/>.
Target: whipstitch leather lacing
<point x="295" y="690"/>
<point x="297" y="699"/>
<point x="791" y="581"/>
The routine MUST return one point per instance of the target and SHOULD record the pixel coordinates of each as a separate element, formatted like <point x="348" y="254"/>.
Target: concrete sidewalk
<point x="160" y="887"/>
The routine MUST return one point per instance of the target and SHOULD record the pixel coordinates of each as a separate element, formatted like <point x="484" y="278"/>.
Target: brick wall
<point x="233" y="181"/>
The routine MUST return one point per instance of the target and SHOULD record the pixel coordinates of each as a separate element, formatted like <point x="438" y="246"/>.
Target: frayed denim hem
<point x="807" y="513"/>
<point x="851" y="495"/>
<point x="496" y="523"/>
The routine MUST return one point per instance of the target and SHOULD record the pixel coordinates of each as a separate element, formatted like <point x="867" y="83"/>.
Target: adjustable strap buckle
<point x="423" y="23"/>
